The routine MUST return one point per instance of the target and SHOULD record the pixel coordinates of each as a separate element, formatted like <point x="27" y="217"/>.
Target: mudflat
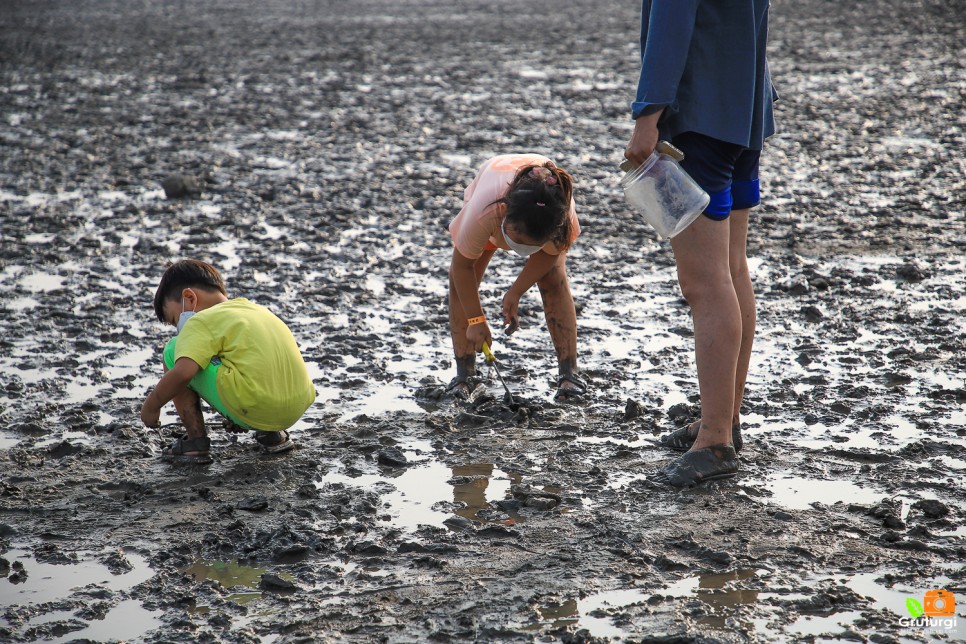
<point x="315" y="152"/>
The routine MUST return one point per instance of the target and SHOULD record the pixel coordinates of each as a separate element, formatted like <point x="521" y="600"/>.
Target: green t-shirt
<point x="262" y="379"/>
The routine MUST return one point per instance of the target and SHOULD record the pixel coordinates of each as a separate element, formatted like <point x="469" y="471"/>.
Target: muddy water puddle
<point x="32" y="583"/>
<point x="430" y="493"/>
<point x="242" y="581"/>
<point x="750" y="599"/>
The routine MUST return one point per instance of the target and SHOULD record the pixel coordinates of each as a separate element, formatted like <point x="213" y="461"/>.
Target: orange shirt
<point x="477" y="226"/>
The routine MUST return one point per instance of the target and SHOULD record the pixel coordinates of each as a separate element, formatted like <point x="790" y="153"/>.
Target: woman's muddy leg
<point x="561" y="315"/>
<point x="464" y="355"/>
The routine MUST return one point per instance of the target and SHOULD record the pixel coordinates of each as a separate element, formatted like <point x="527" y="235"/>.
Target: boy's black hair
<point x="539" y="209"/>
<point x="186" y="273"/>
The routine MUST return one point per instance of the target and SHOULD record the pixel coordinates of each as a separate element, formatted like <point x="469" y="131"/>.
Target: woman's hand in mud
<point x="477" y="334"/>
<point x="511" y="312"/>
<point x="150" y="413"/>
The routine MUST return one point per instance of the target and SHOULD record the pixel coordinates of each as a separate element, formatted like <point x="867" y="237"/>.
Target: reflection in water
<point x="417" y="491"/>
<point x="472" y="495"/>
<point x="47" y="584"/>
<point x="242" y="579"/>
<point x="595" y="612"/>
<point x="712" y="590"/>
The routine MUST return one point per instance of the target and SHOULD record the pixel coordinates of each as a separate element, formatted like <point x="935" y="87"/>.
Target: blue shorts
<point x="726" y="171"/>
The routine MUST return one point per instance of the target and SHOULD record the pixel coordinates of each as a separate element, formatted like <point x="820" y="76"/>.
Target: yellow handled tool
<point x="491" y="360"/>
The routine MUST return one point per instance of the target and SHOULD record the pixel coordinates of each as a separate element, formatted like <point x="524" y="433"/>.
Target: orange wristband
<point x="479" y="319"/>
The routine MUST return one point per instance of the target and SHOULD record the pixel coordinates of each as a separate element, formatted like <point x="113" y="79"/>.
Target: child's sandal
<point x="194" y="451"/>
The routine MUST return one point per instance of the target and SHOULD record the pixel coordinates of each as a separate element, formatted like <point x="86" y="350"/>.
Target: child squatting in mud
<point x="236" y="355"/>
<point x="524" y="203"/>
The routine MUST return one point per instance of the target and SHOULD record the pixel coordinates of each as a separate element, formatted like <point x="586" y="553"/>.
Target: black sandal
<point x="700" y="466"/>
<point x="274" y="442"/>
<point x="188" y="450"/>
<point x="681" y="440"/>
<point x="569" y="394"/>
<point x="461" y="386"/>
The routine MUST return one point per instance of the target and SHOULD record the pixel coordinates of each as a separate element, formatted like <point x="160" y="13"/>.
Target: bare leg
<point x="702" y="255"/>
<point x="741" y="278"/>
<point x="462" y="349"/>
<point x="561" y="315"/>
<point x="188" y="406"/>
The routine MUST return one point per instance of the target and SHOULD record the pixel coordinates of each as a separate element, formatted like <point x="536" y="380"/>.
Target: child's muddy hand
<point x="512" y="324"/>
<point x="477" y="334"/>
<point x="150" y="415"/>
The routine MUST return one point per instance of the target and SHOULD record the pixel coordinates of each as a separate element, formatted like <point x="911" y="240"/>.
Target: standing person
<point x="523" y="203"/>
<point x="235" y="355"/>
<point x="704" y="86"/>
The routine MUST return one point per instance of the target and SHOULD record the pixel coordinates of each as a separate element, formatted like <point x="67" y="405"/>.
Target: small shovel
<point x="491" y="360"/>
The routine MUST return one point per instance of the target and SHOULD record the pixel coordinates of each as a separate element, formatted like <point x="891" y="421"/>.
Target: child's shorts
<point x="204" y="383"/>
<point x="726" y="171"/>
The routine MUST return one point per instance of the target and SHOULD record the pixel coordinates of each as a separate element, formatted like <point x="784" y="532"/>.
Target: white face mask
<point x="184" y="316"/>
<point x="523" y="250"/>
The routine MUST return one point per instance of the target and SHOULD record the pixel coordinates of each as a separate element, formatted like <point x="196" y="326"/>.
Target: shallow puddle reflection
<point x="242" y="580"/>
<point x="429" y="494"/>
<point x="36" y="582"/>
<point x="721" y="592"/>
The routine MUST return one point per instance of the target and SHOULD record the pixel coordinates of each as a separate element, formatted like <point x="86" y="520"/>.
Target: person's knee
<point x="703" y="287"/>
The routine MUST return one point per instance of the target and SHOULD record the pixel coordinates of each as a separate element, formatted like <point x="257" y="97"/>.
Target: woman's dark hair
<point x="186" y="273"/>
<point x="538" y="204"/>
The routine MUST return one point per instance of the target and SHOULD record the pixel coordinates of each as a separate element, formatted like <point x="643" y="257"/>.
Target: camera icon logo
<point x="939" y="603"/>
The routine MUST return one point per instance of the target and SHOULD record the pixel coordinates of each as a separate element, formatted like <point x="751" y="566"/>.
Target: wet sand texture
<point x="315" y="151"/>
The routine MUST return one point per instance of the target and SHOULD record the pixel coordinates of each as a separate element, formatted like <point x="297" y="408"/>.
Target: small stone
<point x="782" y="516"/>
<point x="368" y="548"/>
<point x="894" y="523"/>
<point x="392" y="457"/>
<point x="253" y="504"/>
<point x="633" y="409"/>
<point x="931" y="508"/>
<point x="271" y="580"/>
<point x="178" y="186"/>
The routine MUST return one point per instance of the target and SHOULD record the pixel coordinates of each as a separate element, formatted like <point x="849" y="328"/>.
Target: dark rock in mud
<point x="633" y="409"/>
<point x="50" y="553"/>
<point x="466" y="419"/>
<point x="911" y="273"/>
<point x="7" y="530"/>
<point x="272" y="581"/>
<point x="534" y="498"/>
<point x="497" y="531"/>
<point x="931" y="508"/>
<point x="680" y="412"/>
<point x="117" y="563"/>
<point x="368" y="548"/>
<point x="460" y="524"/>
<point x="64" y="449"/>
<point x="308" y="491"/>
<point x="253" y="504"/>
<point x="179" y="186"/>
<point x="392" y="457"/>
<point x="812" y="314"/>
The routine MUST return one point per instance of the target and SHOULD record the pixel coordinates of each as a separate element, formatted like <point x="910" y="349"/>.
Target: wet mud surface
<point x="321" y="149"/>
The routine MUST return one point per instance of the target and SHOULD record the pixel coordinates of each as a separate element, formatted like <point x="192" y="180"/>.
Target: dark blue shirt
<point x="704" y="60"/>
